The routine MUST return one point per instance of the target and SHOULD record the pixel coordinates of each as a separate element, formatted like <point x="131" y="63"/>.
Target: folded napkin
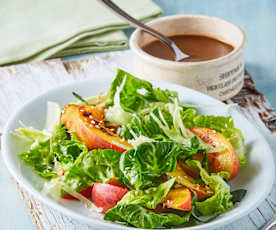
<point x="33" y="30"/>
<point x="113" y="40"/>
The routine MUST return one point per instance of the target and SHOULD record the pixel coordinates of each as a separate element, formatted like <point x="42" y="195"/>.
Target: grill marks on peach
<point x="225" y="160"/>
<point x="96" y="119"/>
<point x="88" y="122"/>
<point x="182" y="177"/>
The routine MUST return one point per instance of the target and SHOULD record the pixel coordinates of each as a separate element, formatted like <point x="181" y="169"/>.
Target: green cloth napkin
<point x="33" y="30"/>
<point x="113" y="40"/>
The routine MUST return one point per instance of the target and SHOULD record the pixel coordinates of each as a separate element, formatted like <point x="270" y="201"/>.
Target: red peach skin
<point x="106" y="196"/>
<point x="85" y="192"/>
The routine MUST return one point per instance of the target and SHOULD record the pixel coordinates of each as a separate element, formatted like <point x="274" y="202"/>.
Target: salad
<point x="138" y="155"/>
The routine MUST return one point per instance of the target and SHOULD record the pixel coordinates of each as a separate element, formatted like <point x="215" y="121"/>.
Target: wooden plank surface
<point x="22" y="82"/>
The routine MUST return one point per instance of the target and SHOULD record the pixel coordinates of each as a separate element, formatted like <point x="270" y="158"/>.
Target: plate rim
<point x="89" y="220"/>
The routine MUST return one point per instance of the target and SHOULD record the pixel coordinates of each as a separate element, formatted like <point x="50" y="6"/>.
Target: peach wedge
<point x="180" y="198"/>
<point x="88" y="124"/>
<point x="225" y="160"/>
<point x="183" y="178"/>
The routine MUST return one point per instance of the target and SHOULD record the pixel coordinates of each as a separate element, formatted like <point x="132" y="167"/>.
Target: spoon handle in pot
<point x="111" y="5"/>
<point x="270" y="224"/>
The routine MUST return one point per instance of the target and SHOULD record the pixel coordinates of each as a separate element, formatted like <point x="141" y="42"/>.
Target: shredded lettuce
<point x="34" y="136"/>
<point x="221" y="201"/>
<point x="139" y="140"/>
<point x="178" y="132"/>
<point x="163" y="122"/>
<point x="115" y="114"/>
<point x="53" y="117"/>
<point x="30" y="135"/>
<point x="171" y="121"/>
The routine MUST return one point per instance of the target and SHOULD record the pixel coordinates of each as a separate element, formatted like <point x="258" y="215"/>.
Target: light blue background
<point x="256" y="17"/>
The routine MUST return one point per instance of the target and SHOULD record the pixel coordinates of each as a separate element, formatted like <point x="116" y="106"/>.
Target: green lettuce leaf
<point x="144" y="166"/>
<point x="43" y="156"/>
<point x="32" y="136"/>
<point x="66" y="147"/>
<point x="40" y="156"/>
<point x="141" y="217"/>
<point x="218" y="123"/>
<point x="220" y="202"/>
<point x="76" y="179"/>
<point x="136" y="93"/>
<point x="132" y="208"/>
<point x="150" y="197"/>
<point x="128" y="95"/>
<point x="37" y="159"/>
<point x="237" y="140"/>
<point x="99" y="165"/>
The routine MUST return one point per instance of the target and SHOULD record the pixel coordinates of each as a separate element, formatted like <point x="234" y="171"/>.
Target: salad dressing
<point x="200" y="48"/>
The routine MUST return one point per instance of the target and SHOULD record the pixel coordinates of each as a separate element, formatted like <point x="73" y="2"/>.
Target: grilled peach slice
<point x="182" y="177"/>
<point x="225" y="160"/>
<point x="180" y="198"/>
<point x="88" y="124"/>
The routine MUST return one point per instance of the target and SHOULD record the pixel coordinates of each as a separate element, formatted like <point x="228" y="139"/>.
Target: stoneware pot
<point x="221" y="78"/>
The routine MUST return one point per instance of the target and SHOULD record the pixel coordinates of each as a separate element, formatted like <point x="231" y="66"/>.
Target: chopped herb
<point x="80" y="98"/>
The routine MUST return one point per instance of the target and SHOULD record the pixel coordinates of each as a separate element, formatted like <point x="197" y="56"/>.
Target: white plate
<point x="257" y="177"/>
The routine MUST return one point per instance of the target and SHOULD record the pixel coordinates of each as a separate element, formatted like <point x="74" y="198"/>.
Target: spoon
<point x="270" y="224"/>
<point x="178" y="54"/>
